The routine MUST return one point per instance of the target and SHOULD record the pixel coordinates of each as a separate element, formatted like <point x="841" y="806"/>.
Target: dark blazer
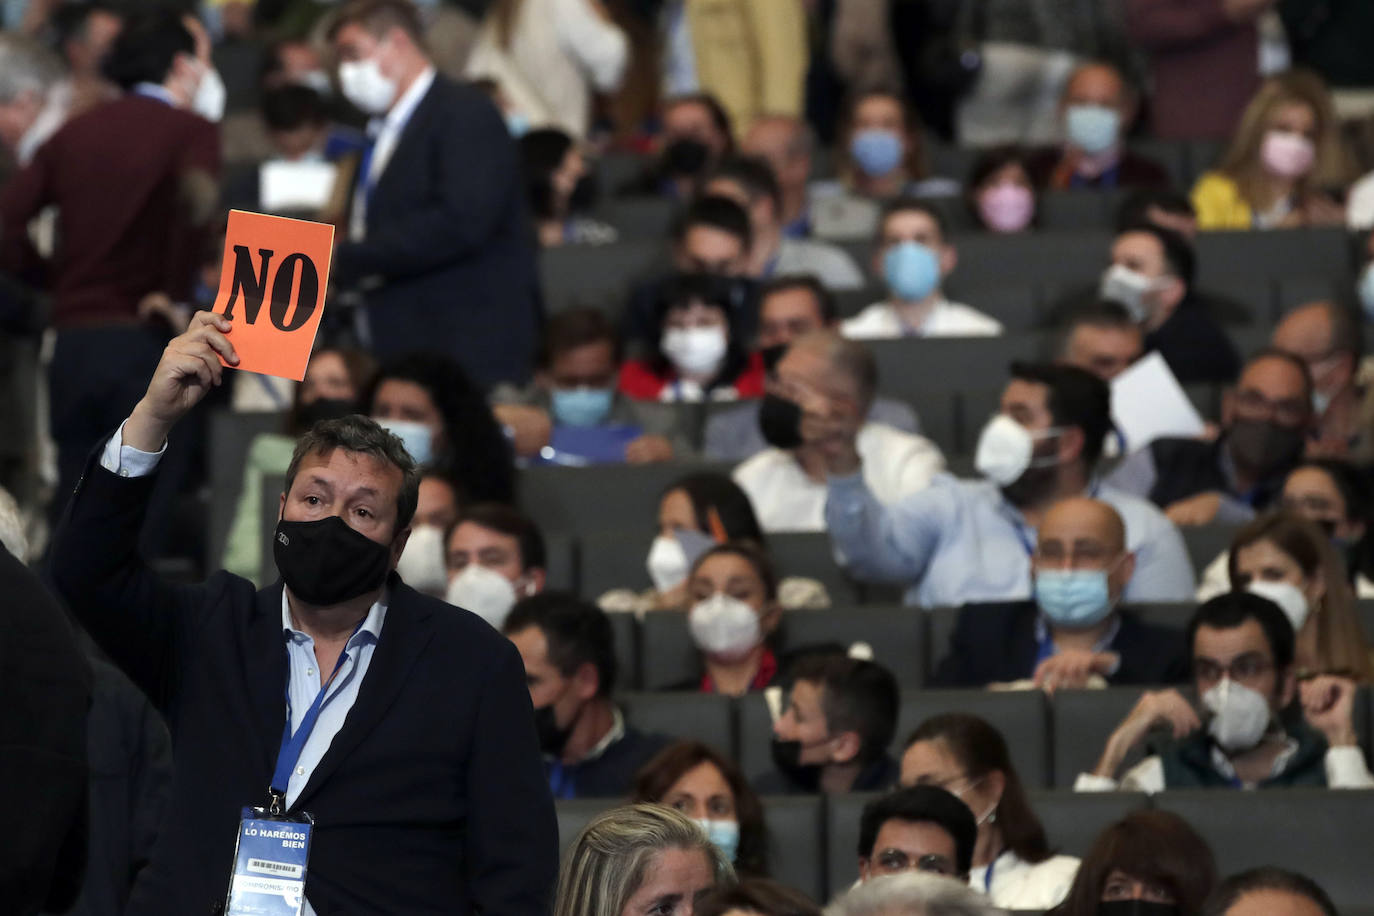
<point x="612" y="774"/>
<point x="995" y="643"/>
<point x="449" y="257"/>
<point x="431" y="798"/>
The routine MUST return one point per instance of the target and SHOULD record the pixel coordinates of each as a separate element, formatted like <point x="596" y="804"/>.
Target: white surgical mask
<point x="695" y="351"/>
<point x="1287" y="596"/>
<point x="1005" y="448"/>
<point x="1240" y="715"/>
<point x="417" y="437"/>
<point x="485" y="592"/>
<point x="725" y="626"/>
<point x="667" y="563"/>
<point x="422" y="562"/>
<point x="364" y="84"/>
<point x="1129" y="287"/>
<point x="208" y="102"/>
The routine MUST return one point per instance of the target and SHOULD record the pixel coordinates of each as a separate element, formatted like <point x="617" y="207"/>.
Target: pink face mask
<point x="1006" y="207"/>
<point x="1287" y="155"/>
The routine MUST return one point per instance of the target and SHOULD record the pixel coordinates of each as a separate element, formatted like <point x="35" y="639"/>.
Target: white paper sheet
<point x="295" y="185"/>
<point x="1148" y="403"/>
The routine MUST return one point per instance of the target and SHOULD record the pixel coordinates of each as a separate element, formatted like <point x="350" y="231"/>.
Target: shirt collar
<point x="1222" y="764"/>
<point x="369" y="631"/>
<point x="155" y="91"/>
<point x="611" y="737"/>
<point x="1042" y="631"/>
<point x="405" y="106"/>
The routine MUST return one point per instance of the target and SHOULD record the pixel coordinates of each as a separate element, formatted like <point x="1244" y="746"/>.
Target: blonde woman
<point x="1289" y="560"/>
<point x="1282" y="156"/>
<point x="548" y="57"/>
<point x="640" y="860"/>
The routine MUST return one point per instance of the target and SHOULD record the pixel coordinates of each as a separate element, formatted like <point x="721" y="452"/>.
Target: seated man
<point x="912" y="258"/>
<point x="1326" y="336"/>
<point x="1073" y="634"/>
<point x="1246" y="734"/>
<point x="921" y="828"/>
<point x="569" y="652"/>
<point x="788" y="308"/>
<point x="494" y="556"/>
<point x="749" y="181"/>
<point x="695" y="136"/>
<point x="573" y="409"/>
<point x="1102" y="339"/>
<point x="1269" y="890"/>
<point x="833" y="736"/>
<point x="825" y="374"/>
<point x="1264" y="421"/>
<point x="960" y="541"/>
<point x="1097" y="109"/>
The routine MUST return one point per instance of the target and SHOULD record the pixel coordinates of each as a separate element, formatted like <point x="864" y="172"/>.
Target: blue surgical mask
<point x="876" y="152"/>
<point x="416" y="437"/>
<point x="724" y="835"/>
<point x="581" y="406"/>
<point x="1073" y="598"/>
<point x="1092" y="128"/>
<point x="912" y="271"/>
<point x="1367" y="291"/>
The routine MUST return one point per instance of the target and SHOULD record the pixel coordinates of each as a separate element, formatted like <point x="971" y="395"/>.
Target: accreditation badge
<point x="269" y="864"/>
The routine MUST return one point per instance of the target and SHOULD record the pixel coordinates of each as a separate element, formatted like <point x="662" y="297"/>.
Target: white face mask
<point x="422" y="562"/>
<point x="485" y="592"/>
<point x="695" y="351"/>
<point x="364" y="84"/>
<point x="724" y="626"/>
<point x="1005" y="449"/>
<point x="1129" y="287"/>
<point x="1240" y="715"/>
<point x="667" y="563"/>
<point x="1287" y="596"/>
<point x="208" y="102"/>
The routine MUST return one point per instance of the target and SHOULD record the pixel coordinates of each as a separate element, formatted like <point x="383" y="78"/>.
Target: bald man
<point x="785" y="142"/>
<point x="1326" y="337"/>
<point x="1072" y="634"/>
<point x="1096" y="111"/>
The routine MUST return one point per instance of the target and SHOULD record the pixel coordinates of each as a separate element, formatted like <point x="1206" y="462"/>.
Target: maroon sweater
<point x="120" y="176"/>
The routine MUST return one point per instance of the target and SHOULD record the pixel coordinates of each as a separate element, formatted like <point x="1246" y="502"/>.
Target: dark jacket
<point x="609" y="775"/>
<point x="878" y="776"/>
<point x="1188" y="763"/>
<point x="995" y="643"/>
<point x="1194" y="345"/>
<point x="1187" y="467"/>
<point x="430" y="799"/>
<point x="448" y="257"/>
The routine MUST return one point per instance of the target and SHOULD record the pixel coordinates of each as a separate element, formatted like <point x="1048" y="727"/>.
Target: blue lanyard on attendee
<point x="560" y="781"/>
<point x="365" y="185"/>
<point x="987" y="877"/>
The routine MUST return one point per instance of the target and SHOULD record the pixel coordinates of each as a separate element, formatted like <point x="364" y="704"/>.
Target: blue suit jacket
<point x="431" y="799"/>
<point x="448" y="260"/>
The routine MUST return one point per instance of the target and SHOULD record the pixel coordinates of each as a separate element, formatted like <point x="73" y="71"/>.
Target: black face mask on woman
<point x="326" y="562"/>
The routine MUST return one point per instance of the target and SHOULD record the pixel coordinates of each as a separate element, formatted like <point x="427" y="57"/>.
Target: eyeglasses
<point x="1243" y="670"/>
<point x="1290" y="412"/>
<point x="893" y="861"/>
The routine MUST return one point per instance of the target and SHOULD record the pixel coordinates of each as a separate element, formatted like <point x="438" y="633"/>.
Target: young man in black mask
<point x="833" y="737"/>
<point x="568" y="649"/>
<point x="399" y="722"/>
<point x="1266" y="421"/>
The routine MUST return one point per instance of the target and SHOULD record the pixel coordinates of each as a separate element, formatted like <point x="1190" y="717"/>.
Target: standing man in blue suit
<point x="437" y="239"/>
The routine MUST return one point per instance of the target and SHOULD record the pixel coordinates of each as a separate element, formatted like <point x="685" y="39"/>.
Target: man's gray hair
<point x="363" y="436"/>
<point x="26" y="66"/>
<point x="912" y="894"/>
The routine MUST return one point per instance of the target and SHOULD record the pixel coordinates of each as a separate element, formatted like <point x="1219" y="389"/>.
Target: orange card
<point x="272" y="288"/>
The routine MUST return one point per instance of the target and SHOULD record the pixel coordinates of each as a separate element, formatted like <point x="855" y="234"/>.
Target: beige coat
<point x="751" y="55"/>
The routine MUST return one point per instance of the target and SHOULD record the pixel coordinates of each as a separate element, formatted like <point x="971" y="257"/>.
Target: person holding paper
<point x="1265" y="423"/>
<point x="437" y="239"/>
<point x="416" y="756"/>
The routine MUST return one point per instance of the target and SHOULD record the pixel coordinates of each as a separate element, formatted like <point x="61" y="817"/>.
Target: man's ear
<point x="865" y="869"/>
<point x="949" y="259"/>
<point x="537" y="579"/>
<point x="586" y="681"/>
<point x="1071" y="442"/>
<point x="846" y="747"/>
<point x="1288" y="686"/>
<point x="281" y="506"/>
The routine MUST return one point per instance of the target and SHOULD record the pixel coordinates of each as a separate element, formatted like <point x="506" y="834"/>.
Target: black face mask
<point x="771" y="356"/>
<point x="780" y="422"/>
<point x="1136" y="908"/>
<point x="325" y="562"/>
<point x="321" y="409"/>
<point x="1265" y="448"/>
<point x="552" y="739"/>
<point x="685" y="157"/>
<point x="787" y="758"/>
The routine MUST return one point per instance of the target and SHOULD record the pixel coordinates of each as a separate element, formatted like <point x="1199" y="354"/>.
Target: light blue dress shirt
<point x="960" y="541"/>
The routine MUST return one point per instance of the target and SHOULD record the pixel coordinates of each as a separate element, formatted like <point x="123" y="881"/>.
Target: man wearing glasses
<point x="1240" y="734"/>
<point x="1266" y="421"/>
<point x="923" y="828"/>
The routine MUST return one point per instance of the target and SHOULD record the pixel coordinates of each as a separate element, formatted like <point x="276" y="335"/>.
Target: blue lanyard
<point x="293" y="745"/>
<point x="364" y="166"/>
<point x="987" y="877"/>
<point x="560" y="781"/>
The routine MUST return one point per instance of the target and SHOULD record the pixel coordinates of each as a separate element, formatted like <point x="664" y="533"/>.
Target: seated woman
<point x="1290" y="561"/>
<point x="706" y="786"/>
<point x="561" y="190"/>
<point x="1146" y="857"/>
<point x="699" y="357"/>
<point x="734" y="611"/>
<point x="695" y="513"/>
<point x="1012" y="861"/>
<point x="333" y="381"/>
<point x="1283" y="157"/>
<point x="1000" y="195"/>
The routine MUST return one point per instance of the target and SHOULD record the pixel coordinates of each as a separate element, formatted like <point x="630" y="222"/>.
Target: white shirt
<point x="881" y="321"/>
<point x="1018" y="885"/>
<point x="386" y="134"/>
<point x="1345" y="769"/>
<point x="895" y="465"/>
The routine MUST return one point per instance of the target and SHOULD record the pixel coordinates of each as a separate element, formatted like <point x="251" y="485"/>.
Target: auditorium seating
<point x="231" y="435"/>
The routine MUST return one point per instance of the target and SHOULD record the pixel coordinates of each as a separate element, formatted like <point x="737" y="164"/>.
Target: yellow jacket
<point x="751" y="55"/>
<point x="1218" y="203"/>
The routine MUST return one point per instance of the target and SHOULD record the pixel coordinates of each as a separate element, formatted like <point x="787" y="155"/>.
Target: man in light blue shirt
<point x="962" y="541"/>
